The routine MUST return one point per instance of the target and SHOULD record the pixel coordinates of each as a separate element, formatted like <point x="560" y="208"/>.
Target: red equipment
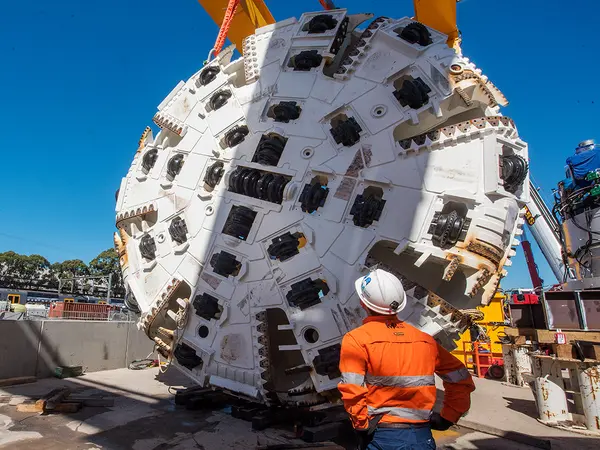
<point x="525" y="299"/>
<point x="79" y="311"/>
<point x="531" y="265"/>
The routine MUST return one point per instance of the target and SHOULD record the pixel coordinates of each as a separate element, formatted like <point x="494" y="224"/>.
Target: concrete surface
<point x="93" y="345"/>
<point x="36" y="348"/>
<point x="19" y="342"/>
<point x="138" y="344"/>
<point x="144" y="417"/>
<point x="510" y="411"/>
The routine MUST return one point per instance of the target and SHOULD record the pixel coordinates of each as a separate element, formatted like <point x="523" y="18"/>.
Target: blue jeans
<point x="402" y="439"/>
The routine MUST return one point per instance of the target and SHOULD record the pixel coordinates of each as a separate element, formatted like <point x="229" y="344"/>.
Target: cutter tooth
<point x="117" y="241"/>
<point x="162" y="345"/>
<point x="450" y="269"/>
<point x="436" y="309"/>
<point x="166" y="332"/>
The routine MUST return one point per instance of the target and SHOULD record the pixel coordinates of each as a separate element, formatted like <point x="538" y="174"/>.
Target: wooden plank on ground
<point x="66" y="408"/>
<point x="17" y="380"/>
<point x="52" y="398"/>
<point x="29" y="408"/>
<point x="56" y="399"/>
<point x="42" y="401"/>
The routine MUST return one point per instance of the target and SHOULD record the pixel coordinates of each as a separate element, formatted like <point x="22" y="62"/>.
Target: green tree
<point x="107" y="263"/>
<point x="34" y="267"/>
<point x="22" y="271"/>
<point x="69" y="269"/>
<point x="34" y="271"/>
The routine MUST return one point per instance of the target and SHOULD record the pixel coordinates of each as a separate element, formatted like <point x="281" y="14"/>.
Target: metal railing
<point x="108" y="316"/>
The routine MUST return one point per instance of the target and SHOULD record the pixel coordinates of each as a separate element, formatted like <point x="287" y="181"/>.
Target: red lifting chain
<point x="231" y="7"/>
<point x="327" y="4"/>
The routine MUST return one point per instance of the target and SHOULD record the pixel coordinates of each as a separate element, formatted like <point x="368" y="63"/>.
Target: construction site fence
<point x="109" y="316"/>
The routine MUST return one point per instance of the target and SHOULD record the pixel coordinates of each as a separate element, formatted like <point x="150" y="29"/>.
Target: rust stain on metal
<point x="164" y="121"/>
<point x="345" y="189"/>
<point x="597" y="422"/>
<point x="544" y="392"/>
<point x="594" y="380"/>
<point x="483" y="278"/>
<point x="213" y="282"/>
<point x="451" y="268"/>
<point x="140" y="211"/>
<point x="479" y="123"/>
<point x="446" y="308"/>
<point x="120" y="240"/>
<point x="488" y="252"/>
<point x="356" y="165"/>
<point x="463" y="95"/>
<point x="165" y="298"/>
<point x="367" y="154"/>
<point x="231" y="347"/>
<point x="142" y="141"/>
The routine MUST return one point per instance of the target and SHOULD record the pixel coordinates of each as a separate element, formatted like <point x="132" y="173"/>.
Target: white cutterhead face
<point x="276" y="179"/>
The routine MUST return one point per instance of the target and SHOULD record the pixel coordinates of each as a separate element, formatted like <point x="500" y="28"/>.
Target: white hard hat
<point x="381" y="292"/>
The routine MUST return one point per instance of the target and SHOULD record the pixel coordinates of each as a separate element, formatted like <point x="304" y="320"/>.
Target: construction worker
<point x="388" y="367"/>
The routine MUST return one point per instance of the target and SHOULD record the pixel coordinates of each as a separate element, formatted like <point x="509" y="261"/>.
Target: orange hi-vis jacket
<point x="388" y="369"/>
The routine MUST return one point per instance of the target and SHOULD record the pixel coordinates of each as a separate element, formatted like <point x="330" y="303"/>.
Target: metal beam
<point x="441" y="16"/>
<point x="250" y="15"/>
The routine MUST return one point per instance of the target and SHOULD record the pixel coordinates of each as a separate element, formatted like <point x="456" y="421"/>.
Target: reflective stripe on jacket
<point x="388" y="368"/>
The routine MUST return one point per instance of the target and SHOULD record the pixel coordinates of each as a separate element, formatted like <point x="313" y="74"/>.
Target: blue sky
<point x="81" y="80"/>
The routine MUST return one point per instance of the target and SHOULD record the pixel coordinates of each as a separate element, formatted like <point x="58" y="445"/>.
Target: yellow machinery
<point x="252" y="14"/>
<point x="492" y="324"/>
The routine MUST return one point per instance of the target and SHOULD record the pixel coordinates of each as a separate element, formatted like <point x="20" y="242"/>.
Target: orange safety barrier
<point x="481" y="357"/>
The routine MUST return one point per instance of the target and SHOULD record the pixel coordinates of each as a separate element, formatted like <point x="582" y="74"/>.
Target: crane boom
<point x="252" y="14"/>
<point x="543" y="226"/>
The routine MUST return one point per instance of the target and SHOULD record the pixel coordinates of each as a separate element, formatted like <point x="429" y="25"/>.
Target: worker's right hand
<point x="437" y="422"/>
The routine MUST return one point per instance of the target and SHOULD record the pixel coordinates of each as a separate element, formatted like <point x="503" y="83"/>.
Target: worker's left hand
<point x="437" y="422"/>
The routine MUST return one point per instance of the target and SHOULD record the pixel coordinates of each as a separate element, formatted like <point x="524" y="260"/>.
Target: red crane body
<point x="536" y="280"/>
